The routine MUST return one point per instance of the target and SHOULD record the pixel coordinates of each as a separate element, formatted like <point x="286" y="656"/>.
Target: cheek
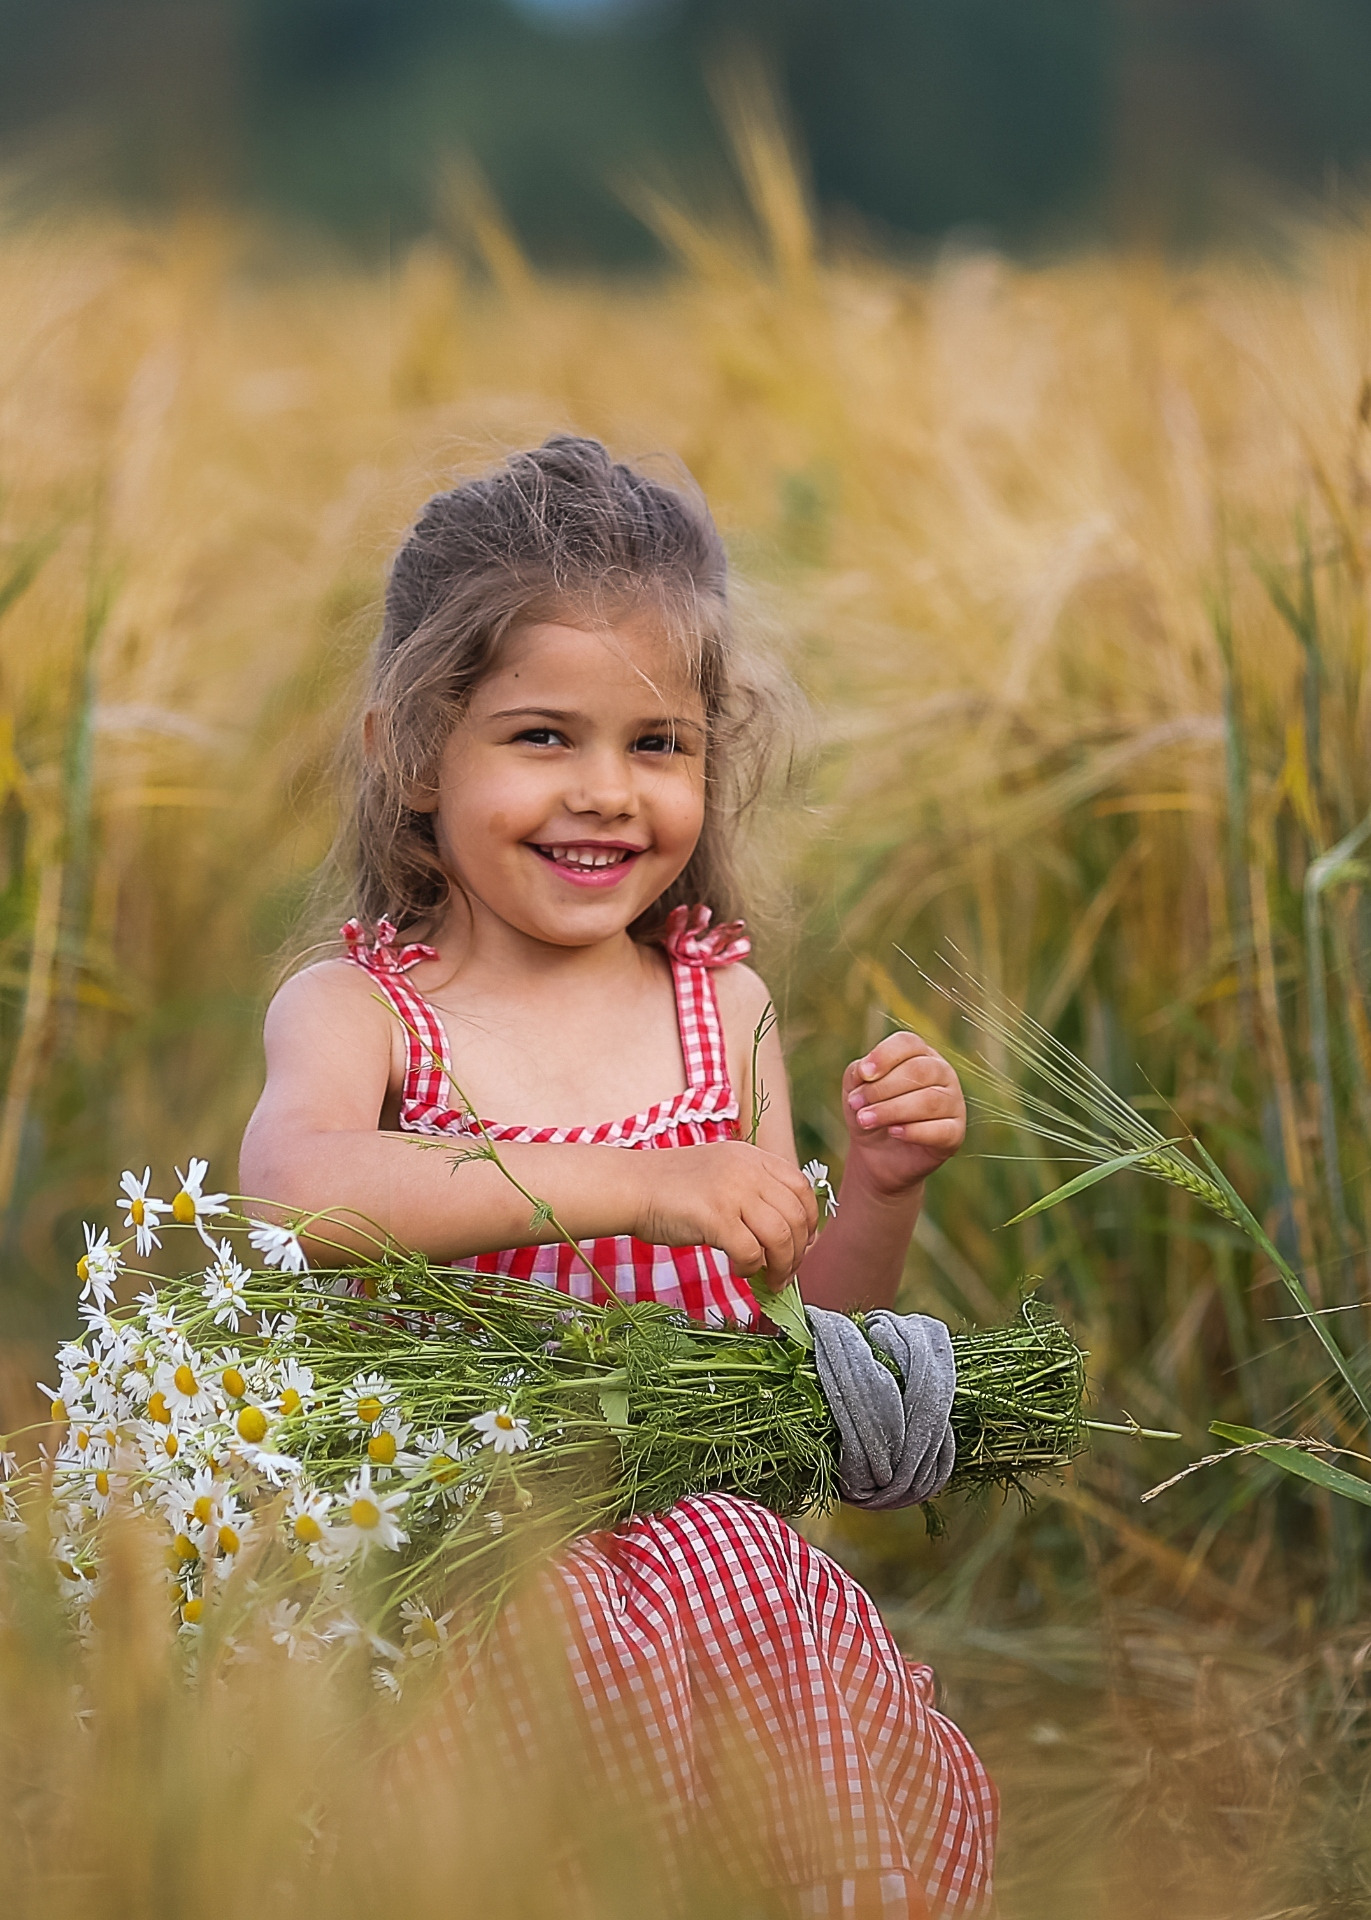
<point x="681" y="813"/>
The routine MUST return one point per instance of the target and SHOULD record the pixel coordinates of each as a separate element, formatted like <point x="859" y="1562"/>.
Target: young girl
<point x="558" y="746"/>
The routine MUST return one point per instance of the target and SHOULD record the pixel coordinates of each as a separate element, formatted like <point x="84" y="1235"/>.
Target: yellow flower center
<point x="504" y="1422"/>
<point x="307" y="1530"/>
<point x="428" y="1628"/>
<point x="171" y="1446"/>
<point x="92" y="1368"/>
<point x="102" y="1483"/>
<point x="185" y="1381"/>
<point x="443" y="1468"/>
<point x="203" y="1509"/>
<point x="57" y="1410"/>
<point x="183" y="1208"/>
<point x="137" y="1213"/>
<point x="381" y="1448"/>
<point x="252" y="1425"/>
<point x="83" y="1439"/>
<point x="67" y="1570"/>
<point x="364" y="1513"/>
<point x="369" y="1289"/>
<point x="291" y="1402"/>
<point x="157" y="1409"/>
<point x="192" y="1611"/>
<point x="228" y="1540"/>
<point x="234" y="1383"/>
<point x="83" y="1269"/>
<point x="369" y="1409"/>
<point x="185" y="1548"/>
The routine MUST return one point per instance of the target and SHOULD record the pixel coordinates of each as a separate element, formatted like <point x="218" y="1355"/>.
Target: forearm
<point x="424" y="1196"/>
<point x="858" y="1258"/>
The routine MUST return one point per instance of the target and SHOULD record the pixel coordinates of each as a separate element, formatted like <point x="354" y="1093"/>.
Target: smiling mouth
<point x="588" y="859"/>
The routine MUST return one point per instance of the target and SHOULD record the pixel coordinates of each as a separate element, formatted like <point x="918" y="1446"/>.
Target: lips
<point x="595" y="863"/>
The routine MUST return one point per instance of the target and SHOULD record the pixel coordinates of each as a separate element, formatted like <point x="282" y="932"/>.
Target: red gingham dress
<point x="714" y="1634"/>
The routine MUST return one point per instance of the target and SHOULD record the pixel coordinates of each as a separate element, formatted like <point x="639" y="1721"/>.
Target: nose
<point x="603" y="785"/>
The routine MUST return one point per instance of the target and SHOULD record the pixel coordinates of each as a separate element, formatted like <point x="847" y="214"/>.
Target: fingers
<point x="890" y="1053"/>
<point x="766" y="1216"/>
<point x="903" y="1083"/>
<point x="779" y="1254"/>
<point x="784" y="1217"/>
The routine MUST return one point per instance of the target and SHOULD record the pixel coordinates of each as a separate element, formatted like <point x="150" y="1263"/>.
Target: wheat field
<point x="1071" y="561"/>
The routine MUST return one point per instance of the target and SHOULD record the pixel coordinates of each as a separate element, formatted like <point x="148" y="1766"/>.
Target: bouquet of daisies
<point x="340" y="1454"/>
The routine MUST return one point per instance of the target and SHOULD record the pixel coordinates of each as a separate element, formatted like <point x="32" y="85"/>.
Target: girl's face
<point x="571" y="793"/>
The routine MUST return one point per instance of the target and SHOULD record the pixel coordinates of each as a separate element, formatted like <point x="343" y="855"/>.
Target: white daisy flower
<point x="98" y="1324"/>
<point x="295" y="1386"/>
<point x="385" y="1446"/>
<point x="503" y="1430"/>
<point x="307" y="1524"/>
<point x="368" y="1516"/>
<point x="817" y="1175"/>
<point x="223" y="1288"/>
<point x="282" y="1327"/>
<point x="192" y="1205"/>
<point x="233" y="1526"/>
<point x="159" y="1323"/>
<point x="279" y="1247"/>
<point x="230" y="1371"/>
<point x="282" y="1622"/>
<point x="447" y="1465"/>
<point x="368" y="1398"/>
<point x="384" y="1681"/>
<point x="161" y="1444"/>
<point x="345" y="1628"/>
<point x="278" y="1468"/>
<point x="188" y="1504"/>
<point x="78" y="1582"/>
<point x="98" y="1267"/>
<point x="424" y="1634"/>
<point x="184" y="1384"/>
<point x="66" y="1398"/>
<point x="11" y="1520"/>
<point x="85" y="1445"/>
<point x="143" y="1213"/>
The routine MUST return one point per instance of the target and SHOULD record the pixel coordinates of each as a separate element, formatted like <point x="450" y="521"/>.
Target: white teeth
<point x="585" y="857"/>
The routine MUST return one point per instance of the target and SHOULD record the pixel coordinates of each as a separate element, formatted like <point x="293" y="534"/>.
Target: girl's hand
<point x="905" y="1112"/>
<point x="756" y="1206"/>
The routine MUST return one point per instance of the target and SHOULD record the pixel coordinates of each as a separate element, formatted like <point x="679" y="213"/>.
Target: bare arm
<point x="314" y="1147"/>
<point x="907" y="1118"/>
<point x="905" y="1115"/>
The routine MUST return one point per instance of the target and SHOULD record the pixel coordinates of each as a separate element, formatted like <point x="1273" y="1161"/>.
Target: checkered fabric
<point x="741" y="1696"/>
<point x="731" y="1680"/>
<point x="697" y="1279"/>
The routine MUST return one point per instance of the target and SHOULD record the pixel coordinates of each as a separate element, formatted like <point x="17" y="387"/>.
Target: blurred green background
<point x="1031" y="121"/>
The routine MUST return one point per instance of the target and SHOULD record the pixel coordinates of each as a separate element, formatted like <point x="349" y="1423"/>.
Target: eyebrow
<point x="677" y="721"/>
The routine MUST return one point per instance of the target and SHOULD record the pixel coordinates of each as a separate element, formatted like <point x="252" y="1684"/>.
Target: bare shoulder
<point x="743" y="998"/>
<point x="332" y="994"/>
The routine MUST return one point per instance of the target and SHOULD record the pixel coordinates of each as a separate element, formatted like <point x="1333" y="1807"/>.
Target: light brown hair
<point x="559" y="532"/>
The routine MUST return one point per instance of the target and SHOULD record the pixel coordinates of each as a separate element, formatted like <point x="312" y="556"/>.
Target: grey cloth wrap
<point x="898" y="1447"/>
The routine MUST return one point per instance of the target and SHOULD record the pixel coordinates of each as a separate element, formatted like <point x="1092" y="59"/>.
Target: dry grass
<point x="1009" y="524"/>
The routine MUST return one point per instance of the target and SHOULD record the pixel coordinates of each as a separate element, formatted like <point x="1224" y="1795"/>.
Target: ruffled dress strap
<point x="427" y="1068"/>
<point x="695" y="950"/>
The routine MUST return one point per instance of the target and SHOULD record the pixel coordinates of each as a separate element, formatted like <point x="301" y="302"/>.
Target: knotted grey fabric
<point x="898" y="1447"/>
